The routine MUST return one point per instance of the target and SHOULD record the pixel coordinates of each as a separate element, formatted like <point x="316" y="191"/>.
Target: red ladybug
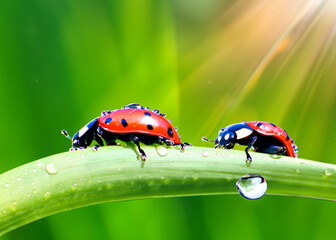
<point x="131" y="123"/>
<point x="262" y="137"/>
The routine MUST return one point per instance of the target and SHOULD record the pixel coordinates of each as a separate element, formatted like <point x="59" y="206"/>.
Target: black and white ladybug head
<point x="225" y="139"/>
<point x="84" y="136"/>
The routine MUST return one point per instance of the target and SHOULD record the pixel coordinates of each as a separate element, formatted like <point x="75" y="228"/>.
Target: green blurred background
<point x="206" y="64"/>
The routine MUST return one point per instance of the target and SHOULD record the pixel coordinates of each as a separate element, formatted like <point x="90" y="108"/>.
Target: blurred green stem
<point x="76" y="179"/>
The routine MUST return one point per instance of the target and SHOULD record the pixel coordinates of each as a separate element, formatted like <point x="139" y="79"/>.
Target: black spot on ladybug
<point x="124" y="123"/>
<point x="147" y="114"/>
<point x="170" y="132"/>
<point x="150" y="127"/>
<point x="272" y="124"/>
<point x="108" y="120"/>
<point x="287" y="137"/>
<point x="259" y="124"/>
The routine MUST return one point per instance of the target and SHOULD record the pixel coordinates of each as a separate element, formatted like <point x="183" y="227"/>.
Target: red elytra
<point x="268" y="129"/>
<point x="138" y="121"/>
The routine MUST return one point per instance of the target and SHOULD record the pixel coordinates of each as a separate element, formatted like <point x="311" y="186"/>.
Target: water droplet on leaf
<point x="252" y="186"/>
<point x="205" y="153"/>
<point x="276" y="156"/>
<point x="13" y="206"/>
<point x="162" y="151"/>
<point x="47" y="195"/>
<point x="328" y="172"/>
<point x="196" y="176"/>
<point x="74" y="187"/>
<point x="51" y="168"/>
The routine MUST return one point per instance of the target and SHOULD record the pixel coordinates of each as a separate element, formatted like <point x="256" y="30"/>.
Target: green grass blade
<point x="76" y="179"/>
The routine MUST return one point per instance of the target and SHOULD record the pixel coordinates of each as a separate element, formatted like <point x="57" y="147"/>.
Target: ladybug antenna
<point x="206" y="140"/>
<point x="65" y="133"/>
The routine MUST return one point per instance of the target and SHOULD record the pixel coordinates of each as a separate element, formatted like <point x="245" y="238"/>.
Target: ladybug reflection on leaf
<point x="262" y="137"/>
<point x="131" y="123"/>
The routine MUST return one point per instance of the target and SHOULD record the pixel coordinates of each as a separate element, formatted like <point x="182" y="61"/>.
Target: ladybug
<point x="131" y="123"/>
<point x="262" y="137"/>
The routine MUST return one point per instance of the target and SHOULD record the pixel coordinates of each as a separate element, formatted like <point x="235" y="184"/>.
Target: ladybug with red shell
<point x="131" y="123"/>
<point x="262" y="137"/>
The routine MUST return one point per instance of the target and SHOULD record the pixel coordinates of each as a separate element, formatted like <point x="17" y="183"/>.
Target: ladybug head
<point x="225" y="139"/>
<point x="75" y="140"/>
<point x="85" y="135"/>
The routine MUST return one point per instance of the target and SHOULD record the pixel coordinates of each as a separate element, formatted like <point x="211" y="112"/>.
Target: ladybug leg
<point x="98" y="139"/>
<point x="95" y="148"/>
<point x="249" y="145"/>
<point x="183" y="145"/>
<point x="168" y="142"/>
<point x="136" y="141"/>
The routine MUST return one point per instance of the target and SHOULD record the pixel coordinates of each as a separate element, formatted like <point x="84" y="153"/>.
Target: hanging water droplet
<point x="162" y="151"/>
<point x="205" y="153"/>
<point x="328" y="172"/>
<point x="51" y="168"/>
<point x="252" y="186"/>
